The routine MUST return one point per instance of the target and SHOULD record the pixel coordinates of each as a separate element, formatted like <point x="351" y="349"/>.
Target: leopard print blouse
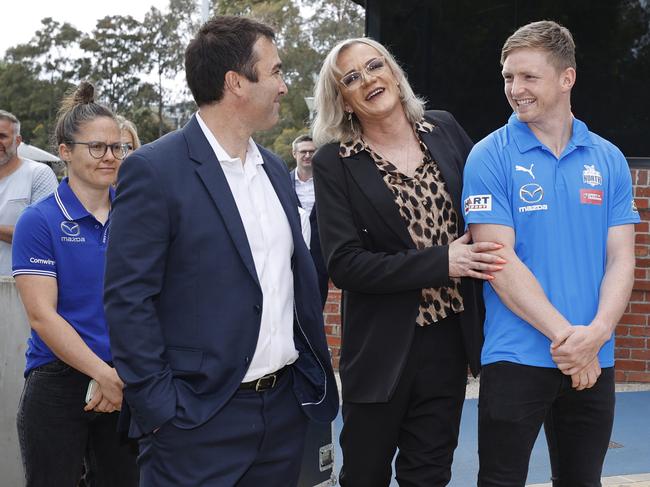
<point x="425" y="206"/>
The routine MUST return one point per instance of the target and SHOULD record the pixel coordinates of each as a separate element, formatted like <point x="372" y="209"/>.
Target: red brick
<point x="631" y="365"/>
<point x="331" y="307"/>
<point x="641" y="238"/>
<point x="640" y="331"/>
<point x="334" y="341"/>
<point x="637" y="377"/>
<point x="620" y="376"/>
<point x="621" y="330"/>
<point x="633" y="319"/>
<point x="640" y="307"/>
<point x="642" y="284"/>
<point x="638" y="296"/>
<point x="642" y="227"/>
<point x="623" y="353"/>
<point x="642" y="191"/>
<point x="641" y="203"/>
<point x="642" y="177"/>
<point x="640" y="250"/>
<point x="639" y="355"/>
<point x="630" y="342"/>
<point x="642" y="263"/>
<point x="333" y="319"/>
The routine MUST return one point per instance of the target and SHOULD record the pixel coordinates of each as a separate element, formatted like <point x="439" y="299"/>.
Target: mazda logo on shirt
<point x="531" y="193"/>
<point x="71" y="229"/>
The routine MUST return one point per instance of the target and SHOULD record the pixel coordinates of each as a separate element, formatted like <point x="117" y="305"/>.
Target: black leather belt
<point x="266" y="382"/>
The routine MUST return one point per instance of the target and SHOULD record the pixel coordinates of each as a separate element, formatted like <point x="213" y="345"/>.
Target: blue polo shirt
<point x="57" y="237"/>
<point x="561" y="211"/>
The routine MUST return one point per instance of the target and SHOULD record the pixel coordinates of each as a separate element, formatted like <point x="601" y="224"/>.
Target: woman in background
<point x="72" y="393"/>
<point x="388" y="182"/>
<point x="129" y="134"/>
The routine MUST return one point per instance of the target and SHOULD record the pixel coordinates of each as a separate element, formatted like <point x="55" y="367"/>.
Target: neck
<point x="228" y="129"/>
<point x="554" y="132"/>
<point x="304" y="174"/>
<point x="388" y="128"/>
<point x="9" y="167"/>
<point x="95" y="200"/>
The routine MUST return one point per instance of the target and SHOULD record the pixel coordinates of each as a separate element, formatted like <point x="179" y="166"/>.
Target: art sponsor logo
<point x="36" y="260"/>
<point x="478" y="202"/>
<point x="529" y="170"/>
<point x="591" y="196"/>
<point x="591" y="175"/>
<point x="71" y="231"/>
<point x="531" y="193"/>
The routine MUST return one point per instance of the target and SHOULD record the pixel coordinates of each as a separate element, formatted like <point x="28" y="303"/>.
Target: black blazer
<point x="315" y="249"/>
<point x="372" y="258"/>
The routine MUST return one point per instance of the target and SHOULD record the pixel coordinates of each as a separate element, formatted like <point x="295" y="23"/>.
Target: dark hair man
<point x="211" y="295"/>
<point x="559" y="199"/>
<point x="22" y="182"/>
<point x="302" y="178"/>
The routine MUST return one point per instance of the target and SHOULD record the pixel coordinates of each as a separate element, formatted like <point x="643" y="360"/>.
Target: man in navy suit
<point x="302" y="178"/>
<point x="211" y="294"/>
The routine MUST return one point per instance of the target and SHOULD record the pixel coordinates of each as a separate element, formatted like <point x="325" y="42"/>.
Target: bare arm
<point x="616" y="286"/>
<point x="6" y="233"/>
<point x="518" y="288"/>
<point x="39" y="296"/>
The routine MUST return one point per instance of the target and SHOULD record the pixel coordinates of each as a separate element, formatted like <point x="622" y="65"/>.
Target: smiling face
<point x="536" y="89"/>
<point x="377" y="95"/>
<point x="263" y="96"/>
<point x="85" y="170"/>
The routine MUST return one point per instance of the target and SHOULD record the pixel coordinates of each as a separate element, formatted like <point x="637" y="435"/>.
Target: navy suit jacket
<point x="315" y="249"/>
<point x="182" y="298"/>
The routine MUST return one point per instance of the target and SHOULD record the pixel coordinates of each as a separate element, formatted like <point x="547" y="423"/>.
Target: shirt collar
<point x="527" y="140"/>
<point x="357" y="144"/>
<point x="300" y="181"/>
<point x="252" y="151"/>
<point x="70" y="205"/>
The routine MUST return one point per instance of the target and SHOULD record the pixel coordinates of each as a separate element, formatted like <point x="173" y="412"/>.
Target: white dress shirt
<point x="305" y="192"/>
<point x="269" y="237"/>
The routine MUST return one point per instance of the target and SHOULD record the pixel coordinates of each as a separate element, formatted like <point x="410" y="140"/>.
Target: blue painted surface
<point x="631" y="429"/>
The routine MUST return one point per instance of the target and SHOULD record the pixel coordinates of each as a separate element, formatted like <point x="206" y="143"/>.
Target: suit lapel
<point x="365" y="173"/>
<point x="214" y="180"/>
<point x="439" y="147"/>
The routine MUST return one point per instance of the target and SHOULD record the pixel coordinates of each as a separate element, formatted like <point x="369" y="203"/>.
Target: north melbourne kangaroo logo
<point x="524" y="169"/>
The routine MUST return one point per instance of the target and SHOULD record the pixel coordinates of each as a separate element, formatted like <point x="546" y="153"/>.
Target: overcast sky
<point x="22" y="18"/>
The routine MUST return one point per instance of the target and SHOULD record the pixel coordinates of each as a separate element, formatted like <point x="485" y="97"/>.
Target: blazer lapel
<point x="365" y="173"/>
<point x="214" y="180"/>
<point x="439" y="147"/>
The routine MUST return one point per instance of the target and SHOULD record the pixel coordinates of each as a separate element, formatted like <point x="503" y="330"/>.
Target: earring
<point x="350" y="120"/>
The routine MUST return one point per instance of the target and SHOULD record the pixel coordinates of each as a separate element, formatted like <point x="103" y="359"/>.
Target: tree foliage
<point x="137" y="66"/>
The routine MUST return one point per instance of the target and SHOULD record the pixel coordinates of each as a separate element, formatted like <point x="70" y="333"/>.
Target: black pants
<point x="55" y="433"/>
<point x="515" y="400"/>
<point x="421" y="419"/>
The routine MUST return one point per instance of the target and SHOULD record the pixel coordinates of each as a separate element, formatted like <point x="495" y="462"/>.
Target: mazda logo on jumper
<point x="531" y="193"/>
<point x="71" y="229"/>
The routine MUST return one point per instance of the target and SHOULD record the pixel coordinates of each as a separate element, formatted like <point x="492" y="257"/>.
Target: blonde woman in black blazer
<point x="388" y="185"/>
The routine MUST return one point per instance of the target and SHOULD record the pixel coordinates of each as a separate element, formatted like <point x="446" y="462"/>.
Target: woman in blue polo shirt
<point x="58" y="263"/>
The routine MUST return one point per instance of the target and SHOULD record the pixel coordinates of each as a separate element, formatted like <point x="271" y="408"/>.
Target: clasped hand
<point x="577" y="355"/>
<point x="108" y="396"/>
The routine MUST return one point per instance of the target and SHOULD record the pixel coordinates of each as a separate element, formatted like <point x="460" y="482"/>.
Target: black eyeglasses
<point x="97" y="150"/>
<point x="306" y="152"/>
<point x="373" y="67"/>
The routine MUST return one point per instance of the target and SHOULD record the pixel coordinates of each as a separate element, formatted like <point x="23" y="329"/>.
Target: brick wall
<point x="633" y="332"/>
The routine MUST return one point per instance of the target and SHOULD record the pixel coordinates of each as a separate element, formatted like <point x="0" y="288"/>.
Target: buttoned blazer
<point x="182" y="298"/>
<point x="315" y="249"/>
<point x="370" y="255"/>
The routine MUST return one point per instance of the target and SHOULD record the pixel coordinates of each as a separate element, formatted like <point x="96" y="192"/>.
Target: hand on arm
<point x="518" y="288"/>
<point x="579" y="350"/>
<point x="474" y="260"/>
<point x="39" y="296"/>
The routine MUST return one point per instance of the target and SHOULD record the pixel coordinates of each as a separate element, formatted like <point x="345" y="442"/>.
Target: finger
<point x="575" y="381"/>
<point x="104" y="406"/>
<point x="479" y="275"/>
<point x="488" y="258"/>
<point x="485" y="246"/>
<point x="97" y="397"/>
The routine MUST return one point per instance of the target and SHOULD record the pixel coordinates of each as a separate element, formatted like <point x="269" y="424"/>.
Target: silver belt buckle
<point x="258" y="384"/>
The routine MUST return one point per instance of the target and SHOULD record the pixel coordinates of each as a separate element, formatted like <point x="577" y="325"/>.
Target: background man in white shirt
<point x="22" y="182"/>
<point x="211" y="295"/>
<point x="303" y="148"/>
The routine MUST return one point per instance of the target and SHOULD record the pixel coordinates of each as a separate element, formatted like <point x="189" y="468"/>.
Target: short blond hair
<point x="129" y="126"/>
<point x="331" y="123"/>
<point x="548" y="36"/>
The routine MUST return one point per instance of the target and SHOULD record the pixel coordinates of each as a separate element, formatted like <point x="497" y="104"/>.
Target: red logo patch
<point x="591" y="196"/>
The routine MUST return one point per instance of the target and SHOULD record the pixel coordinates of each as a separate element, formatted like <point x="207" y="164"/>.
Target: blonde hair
<point x="331" y="123"/>
<point x="548" y="36"/>
<point x="129" y="127"/>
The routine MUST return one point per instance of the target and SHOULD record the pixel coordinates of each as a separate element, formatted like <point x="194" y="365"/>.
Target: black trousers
<point x="515" y="400"/>
<point x="422" y="418"/>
